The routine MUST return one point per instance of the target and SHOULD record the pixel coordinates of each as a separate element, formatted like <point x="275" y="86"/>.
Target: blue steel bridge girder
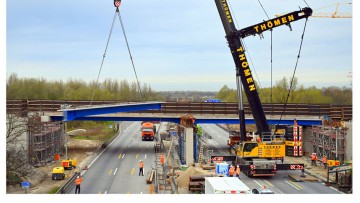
<point x="76" y="114"/>
<point x="302" y="122"/>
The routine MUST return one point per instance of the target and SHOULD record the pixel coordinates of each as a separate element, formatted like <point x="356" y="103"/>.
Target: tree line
<point x="280" y="93"/>
<point x="122" y="90"/>
<point x="74" y="89"/>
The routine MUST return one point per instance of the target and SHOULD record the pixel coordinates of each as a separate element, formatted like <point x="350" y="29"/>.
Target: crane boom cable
<point x="131" y="58"/>
<point x="271" y="56"/>
<point x="292" y="79"/>
<point x="245" y="48"/>
<point x="102" y="62"/>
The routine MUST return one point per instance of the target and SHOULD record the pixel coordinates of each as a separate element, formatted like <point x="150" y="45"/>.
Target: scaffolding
<point x="45" y="141"/>
<point x="327" y="141"/>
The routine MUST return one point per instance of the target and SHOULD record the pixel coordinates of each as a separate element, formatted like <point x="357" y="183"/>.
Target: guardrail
<point x="68" y="185"/>
<point x="336" y="112"/>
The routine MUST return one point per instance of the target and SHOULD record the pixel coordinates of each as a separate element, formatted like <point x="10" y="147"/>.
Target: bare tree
<point x="16" y="148"/>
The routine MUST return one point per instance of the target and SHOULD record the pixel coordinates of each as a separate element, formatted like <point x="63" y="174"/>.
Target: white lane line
<point x="257" y="183"/>
<point x="115" y="171"/>
<point x="145" y="156"/>
<point x="140" y="192"/>
<point x="292" y="185"/>
<point x="123" y="156"/>
<point x="105" y="192"/>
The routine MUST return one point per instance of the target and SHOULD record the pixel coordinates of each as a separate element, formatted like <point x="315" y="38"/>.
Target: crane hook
<point x="117" y="3"/>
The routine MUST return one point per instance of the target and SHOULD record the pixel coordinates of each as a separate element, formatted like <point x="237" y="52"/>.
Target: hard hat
<point x="78" y="177"/>
<point x="140" y="161"/>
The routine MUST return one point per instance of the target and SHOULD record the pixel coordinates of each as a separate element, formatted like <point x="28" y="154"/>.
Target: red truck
<point x="148" y="130"/>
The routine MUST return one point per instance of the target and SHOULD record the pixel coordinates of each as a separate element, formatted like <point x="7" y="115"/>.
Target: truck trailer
<point x="225" y="185"/>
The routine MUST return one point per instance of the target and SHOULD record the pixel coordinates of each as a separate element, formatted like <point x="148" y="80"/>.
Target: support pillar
<point x="189" y="146"/>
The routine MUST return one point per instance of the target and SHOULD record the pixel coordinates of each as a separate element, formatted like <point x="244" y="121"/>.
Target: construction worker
<point x="162" y="159"/>
<point x="78" y="181"/>
<point x="324" y="160"/>
<point x="231" y="171"/>
<point x="316" y="158"/>
<point x="312" y="157"/>
<point x="258" y="139"/>
<point x="238" y="171"/>
<point x="141" y="168"/>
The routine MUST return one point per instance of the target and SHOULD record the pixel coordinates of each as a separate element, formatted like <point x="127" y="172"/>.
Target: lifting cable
<point x="132" y="61"/>
<point x="102" y="62"/>
<point x="117" y="12"/>
<point x="271" y="58"/>
<point x="292" y="79"/>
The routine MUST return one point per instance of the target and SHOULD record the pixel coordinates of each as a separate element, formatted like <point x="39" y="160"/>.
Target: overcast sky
<point x="176" y="45"/>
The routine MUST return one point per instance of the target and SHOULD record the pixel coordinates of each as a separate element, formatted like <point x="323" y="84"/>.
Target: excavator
<point x="256" y="157"/>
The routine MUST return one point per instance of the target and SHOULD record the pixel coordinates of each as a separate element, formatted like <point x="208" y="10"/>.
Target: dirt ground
<point x="80" y="150"/>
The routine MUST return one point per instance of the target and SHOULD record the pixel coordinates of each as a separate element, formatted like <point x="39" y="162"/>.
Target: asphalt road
<point x="116" y="170"/>
<point x="280" y="183"/>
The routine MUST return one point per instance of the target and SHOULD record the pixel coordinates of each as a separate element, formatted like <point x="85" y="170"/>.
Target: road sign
<point x="25" y="186"/>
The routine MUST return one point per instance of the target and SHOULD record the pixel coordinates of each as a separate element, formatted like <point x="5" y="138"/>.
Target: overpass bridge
<point x="204" y="112"/>
<point x="176" y="112"/>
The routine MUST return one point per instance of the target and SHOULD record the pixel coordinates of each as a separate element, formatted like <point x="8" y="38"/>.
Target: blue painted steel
<point x="302" y="122"/>
<point x="181" y="148"/>
<point x="72" y="114"/>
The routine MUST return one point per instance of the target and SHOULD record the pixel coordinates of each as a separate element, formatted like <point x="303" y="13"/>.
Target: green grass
<point x="53" y="190"/>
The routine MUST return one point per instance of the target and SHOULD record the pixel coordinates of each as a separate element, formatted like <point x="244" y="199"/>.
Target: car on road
<point x="262" y="191"/>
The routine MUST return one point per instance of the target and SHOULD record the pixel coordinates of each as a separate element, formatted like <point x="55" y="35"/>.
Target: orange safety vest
<point x="238" y="170"/>
<point x="162" y="159"/>
<point x="232" y="170"/>
<point x="324" y="160"/>
<point x="312" y="157"/>
<point x="141" y="164"/>
<point x="78" y="181"/>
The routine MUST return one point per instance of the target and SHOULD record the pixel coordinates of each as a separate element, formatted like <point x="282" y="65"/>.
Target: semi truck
<point x="225" y="185"/>
<point x="148" y="130"/>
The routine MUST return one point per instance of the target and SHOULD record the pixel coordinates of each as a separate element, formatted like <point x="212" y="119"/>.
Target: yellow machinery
<point x="68" y="164"/>
<point x="58" y="173"/>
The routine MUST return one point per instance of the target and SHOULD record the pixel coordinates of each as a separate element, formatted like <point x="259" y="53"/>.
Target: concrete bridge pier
<point x="188" y="122"/>
<point x="189" y="146"/>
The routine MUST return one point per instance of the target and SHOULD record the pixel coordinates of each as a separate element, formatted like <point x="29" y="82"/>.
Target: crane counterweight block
<point x="285" y="19"/>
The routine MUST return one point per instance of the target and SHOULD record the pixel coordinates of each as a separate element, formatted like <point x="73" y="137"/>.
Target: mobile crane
<point x="256" y="156"/>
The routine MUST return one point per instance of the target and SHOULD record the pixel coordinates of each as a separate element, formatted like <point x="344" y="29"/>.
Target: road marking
<point x="105" y="192"/>
<point x="145" y="156"/>
<point x="147" y="146"/>
<point x="258" y="183"/>
<point x="296" y="185"/>
<point x="132" y="171"/>
<point x="115" y="171"/>
<point x="292" y="185"/>
<point x="268" y="183"/>
<point x="110" y="171"/>
<point x="119" y="156"/>
<point x="140" y="192"/>
<point x="123" y="156"/>
<point x="137" y="156"/>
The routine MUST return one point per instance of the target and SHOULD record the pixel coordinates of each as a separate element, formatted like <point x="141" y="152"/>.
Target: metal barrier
<point x="336" y="112"/>
<point x="68" y="185"/>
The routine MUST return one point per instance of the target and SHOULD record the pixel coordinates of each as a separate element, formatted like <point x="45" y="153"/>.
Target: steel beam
<point x="73" y="114"/>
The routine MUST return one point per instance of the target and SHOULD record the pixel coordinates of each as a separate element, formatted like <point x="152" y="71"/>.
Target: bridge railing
<point x="336" y="112"/>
